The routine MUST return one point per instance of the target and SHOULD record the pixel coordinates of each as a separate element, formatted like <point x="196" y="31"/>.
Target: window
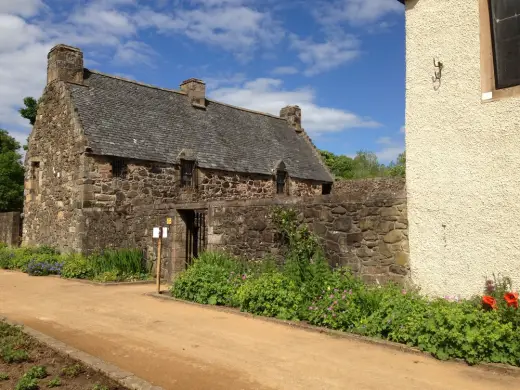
<point x="500" y="48"/>
<point x="188" y="174"/>
<point x="35" y="177"/>
<point x="281" y="177"/>
<point x="119" y="168"/>
<point x="326" y="188"/>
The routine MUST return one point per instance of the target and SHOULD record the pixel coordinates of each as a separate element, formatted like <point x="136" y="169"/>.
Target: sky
<point x="341" y="61"/>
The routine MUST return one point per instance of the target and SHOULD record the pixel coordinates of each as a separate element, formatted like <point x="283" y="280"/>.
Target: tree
<point x="398" y="169"/>
<point x="364" y="165"/>
<point x="30" y="109"/>
<point x="11" y="174"/>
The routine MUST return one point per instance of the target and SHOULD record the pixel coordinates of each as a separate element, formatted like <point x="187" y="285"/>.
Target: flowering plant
<point x="489" y="302"/>
<point x="512" y="299"/>
<point x="44" y="268"/>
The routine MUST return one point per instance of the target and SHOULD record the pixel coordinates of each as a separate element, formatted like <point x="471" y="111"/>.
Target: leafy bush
<point x="72" y="371"/>
<point x="207" y="282"/>
<point x="26" y="383"/>
<point x="123" y="261"/>
<point x="12" y="344"/>
<point x="37" y="372"/>
<point x="55" y="382"/>
<point x="44" y="265"/>
<point x="4" y="377"/>
<point x="271" y="295"/>
<point x="77" y="266"/>
<point x="19" y="258"/>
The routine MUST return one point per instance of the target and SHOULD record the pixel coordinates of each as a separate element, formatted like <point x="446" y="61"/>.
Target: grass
<point x="72" y="371"/>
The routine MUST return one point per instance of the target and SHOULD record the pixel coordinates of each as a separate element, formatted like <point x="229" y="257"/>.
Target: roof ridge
<point x="245" y="109"/>
<point x="181" y="93"/>
<point x="135" y="82"/>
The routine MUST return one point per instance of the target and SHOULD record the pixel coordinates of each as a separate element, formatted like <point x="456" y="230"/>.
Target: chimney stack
<point x="293" y="116"/>
<point x="196" y="90"/>
<point x="65" y="63"/>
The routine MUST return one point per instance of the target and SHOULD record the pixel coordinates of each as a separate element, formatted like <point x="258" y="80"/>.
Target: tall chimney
<point x="65" y="63"/>
<point x="196" y="90"/>
<point x="293" y="115"/>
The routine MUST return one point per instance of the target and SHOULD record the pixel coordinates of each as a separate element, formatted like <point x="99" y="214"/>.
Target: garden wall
<point x="363" y="225"/>
<point x="10" y="225"/>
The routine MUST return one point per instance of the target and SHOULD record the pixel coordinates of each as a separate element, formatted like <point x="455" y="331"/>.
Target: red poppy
<point x="489" y="302"/>
<point x="511" y="299"/>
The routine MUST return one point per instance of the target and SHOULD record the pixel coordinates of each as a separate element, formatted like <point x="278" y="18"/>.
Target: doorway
<point x="196" y="233"/>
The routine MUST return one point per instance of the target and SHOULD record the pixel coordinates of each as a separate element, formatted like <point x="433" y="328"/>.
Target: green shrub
<point x="56" y="382"/>
<point x="99" y="387"/>
<point x="77" y="266"/>
<point x="271" y="295"/>
<point x="122" y="261"/>
<point x="37" y="372"/>
<point x="72" y="371"/>
<point x="207" y="282"/>
<point x="12" y="344"/>
<point x="26" y="383"/>
<point x="4" y="377"/>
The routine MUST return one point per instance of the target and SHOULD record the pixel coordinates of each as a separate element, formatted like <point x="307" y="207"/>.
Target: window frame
<point x="119" y="168"/>
<point x="193" y="176"/>
<point x="280" y="173"/>
<point x="326" y="188"/>
<point x="488" y="83"/>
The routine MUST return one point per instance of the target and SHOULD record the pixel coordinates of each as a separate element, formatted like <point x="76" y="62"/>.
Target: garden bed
<point x="26" y="364"/>
<point x="107" y="267"/>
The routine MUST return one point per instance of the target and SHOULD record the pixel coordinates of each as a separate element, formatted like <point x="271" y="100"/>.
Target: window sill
<point x="499" y="94"/>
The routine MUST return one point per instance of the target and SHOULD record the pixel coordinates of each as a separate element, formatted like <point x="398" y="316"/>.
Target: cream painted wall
<point x="463" y="156"/>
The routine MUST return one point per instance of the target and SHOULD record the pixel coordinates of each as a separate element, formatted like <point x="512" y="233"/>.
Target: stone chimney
<point x="65" y="63"/>
<point x="196" y="90"/>
<point x="293" y="116"/>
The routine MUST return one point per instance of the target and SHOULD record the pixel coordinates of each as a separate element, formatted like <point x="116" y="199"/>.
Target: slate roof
<point x="132" y="120"/>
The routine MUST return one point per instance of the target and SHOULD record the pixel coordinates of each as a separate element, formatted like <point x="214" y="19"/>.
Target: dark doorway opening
<point x="196" y="234"/>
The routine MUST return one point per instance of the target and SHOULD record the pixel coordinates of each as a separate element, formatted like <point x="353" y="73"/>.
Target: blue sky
<point x="342" y="61"/>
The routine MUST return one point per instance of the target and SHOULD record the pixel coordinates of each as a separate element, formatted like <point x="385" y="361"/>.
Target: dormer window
<point x="188" y="173"/>
<point x="281" y="179"/>
<point x="326" y="188"/>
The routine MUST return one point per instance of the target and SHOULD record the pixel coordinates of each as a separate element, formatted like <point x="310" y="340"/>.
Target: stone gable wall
<point x="363" y="225"/>
<point x="55" y="143"/>
<point x="10" y="224"/>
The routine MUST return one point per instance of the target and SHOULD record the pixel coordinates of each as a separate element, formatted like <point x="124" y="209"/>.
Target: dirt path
<point x="179" y="346"/>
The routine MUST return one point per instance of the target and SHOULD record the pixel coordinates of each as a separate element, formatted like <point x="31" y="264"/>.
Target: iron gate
<point x="196" y="236"/>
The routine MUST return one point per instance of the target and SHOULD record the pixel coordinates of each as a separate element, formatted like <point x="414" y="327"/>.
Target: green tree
<point x="11" y="174"/>
<point x="30" y="109"/>
<point x="398" y="169"/>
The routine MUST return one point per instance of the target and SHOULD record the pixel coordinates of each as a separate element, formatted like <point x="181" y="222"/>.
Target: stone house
<point x="462" y="122"/>
<point x="109" y="159"/>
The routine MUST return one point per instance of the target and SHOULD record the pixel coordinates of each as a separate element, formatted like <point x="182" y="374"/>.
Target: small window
<point x="281" y="178"/>
<point x="326" y="188"/>
<point x="35" y="177"/>
<point x="505" y="31"/>
<point x="188" y="172"/>
<point x="119" y="168"/>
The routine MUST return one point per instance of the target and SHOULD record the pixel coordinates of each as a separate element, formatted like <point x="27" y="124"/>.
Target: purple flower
<point x="329" y="308"/>
<point x="244" y="277"/>
<point x="331" y="296"/>
<point x="343" y="296"/>
<point x="350" y="292"/>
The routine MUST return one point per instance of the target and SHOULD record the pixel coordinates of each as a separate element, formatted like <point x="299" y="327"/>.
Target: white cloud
<point x="134" y="52"/>
<point x="384" y="141"/>
<point x="284" y="70"/>
<point x="20" y="7"/>
<point x="324" y="56"/>
<point x="227" y="24"/>
<point x="268" y="95"/>
<point x="389" y="154"/>
<point x="357" y="12"/>
<point x="393" y="147"/>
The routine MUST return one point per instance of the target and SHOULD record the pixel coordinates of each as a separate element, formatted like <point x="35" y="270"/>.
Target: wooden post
<point x="174" y="249"/>
<point x="158" y="265"/>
